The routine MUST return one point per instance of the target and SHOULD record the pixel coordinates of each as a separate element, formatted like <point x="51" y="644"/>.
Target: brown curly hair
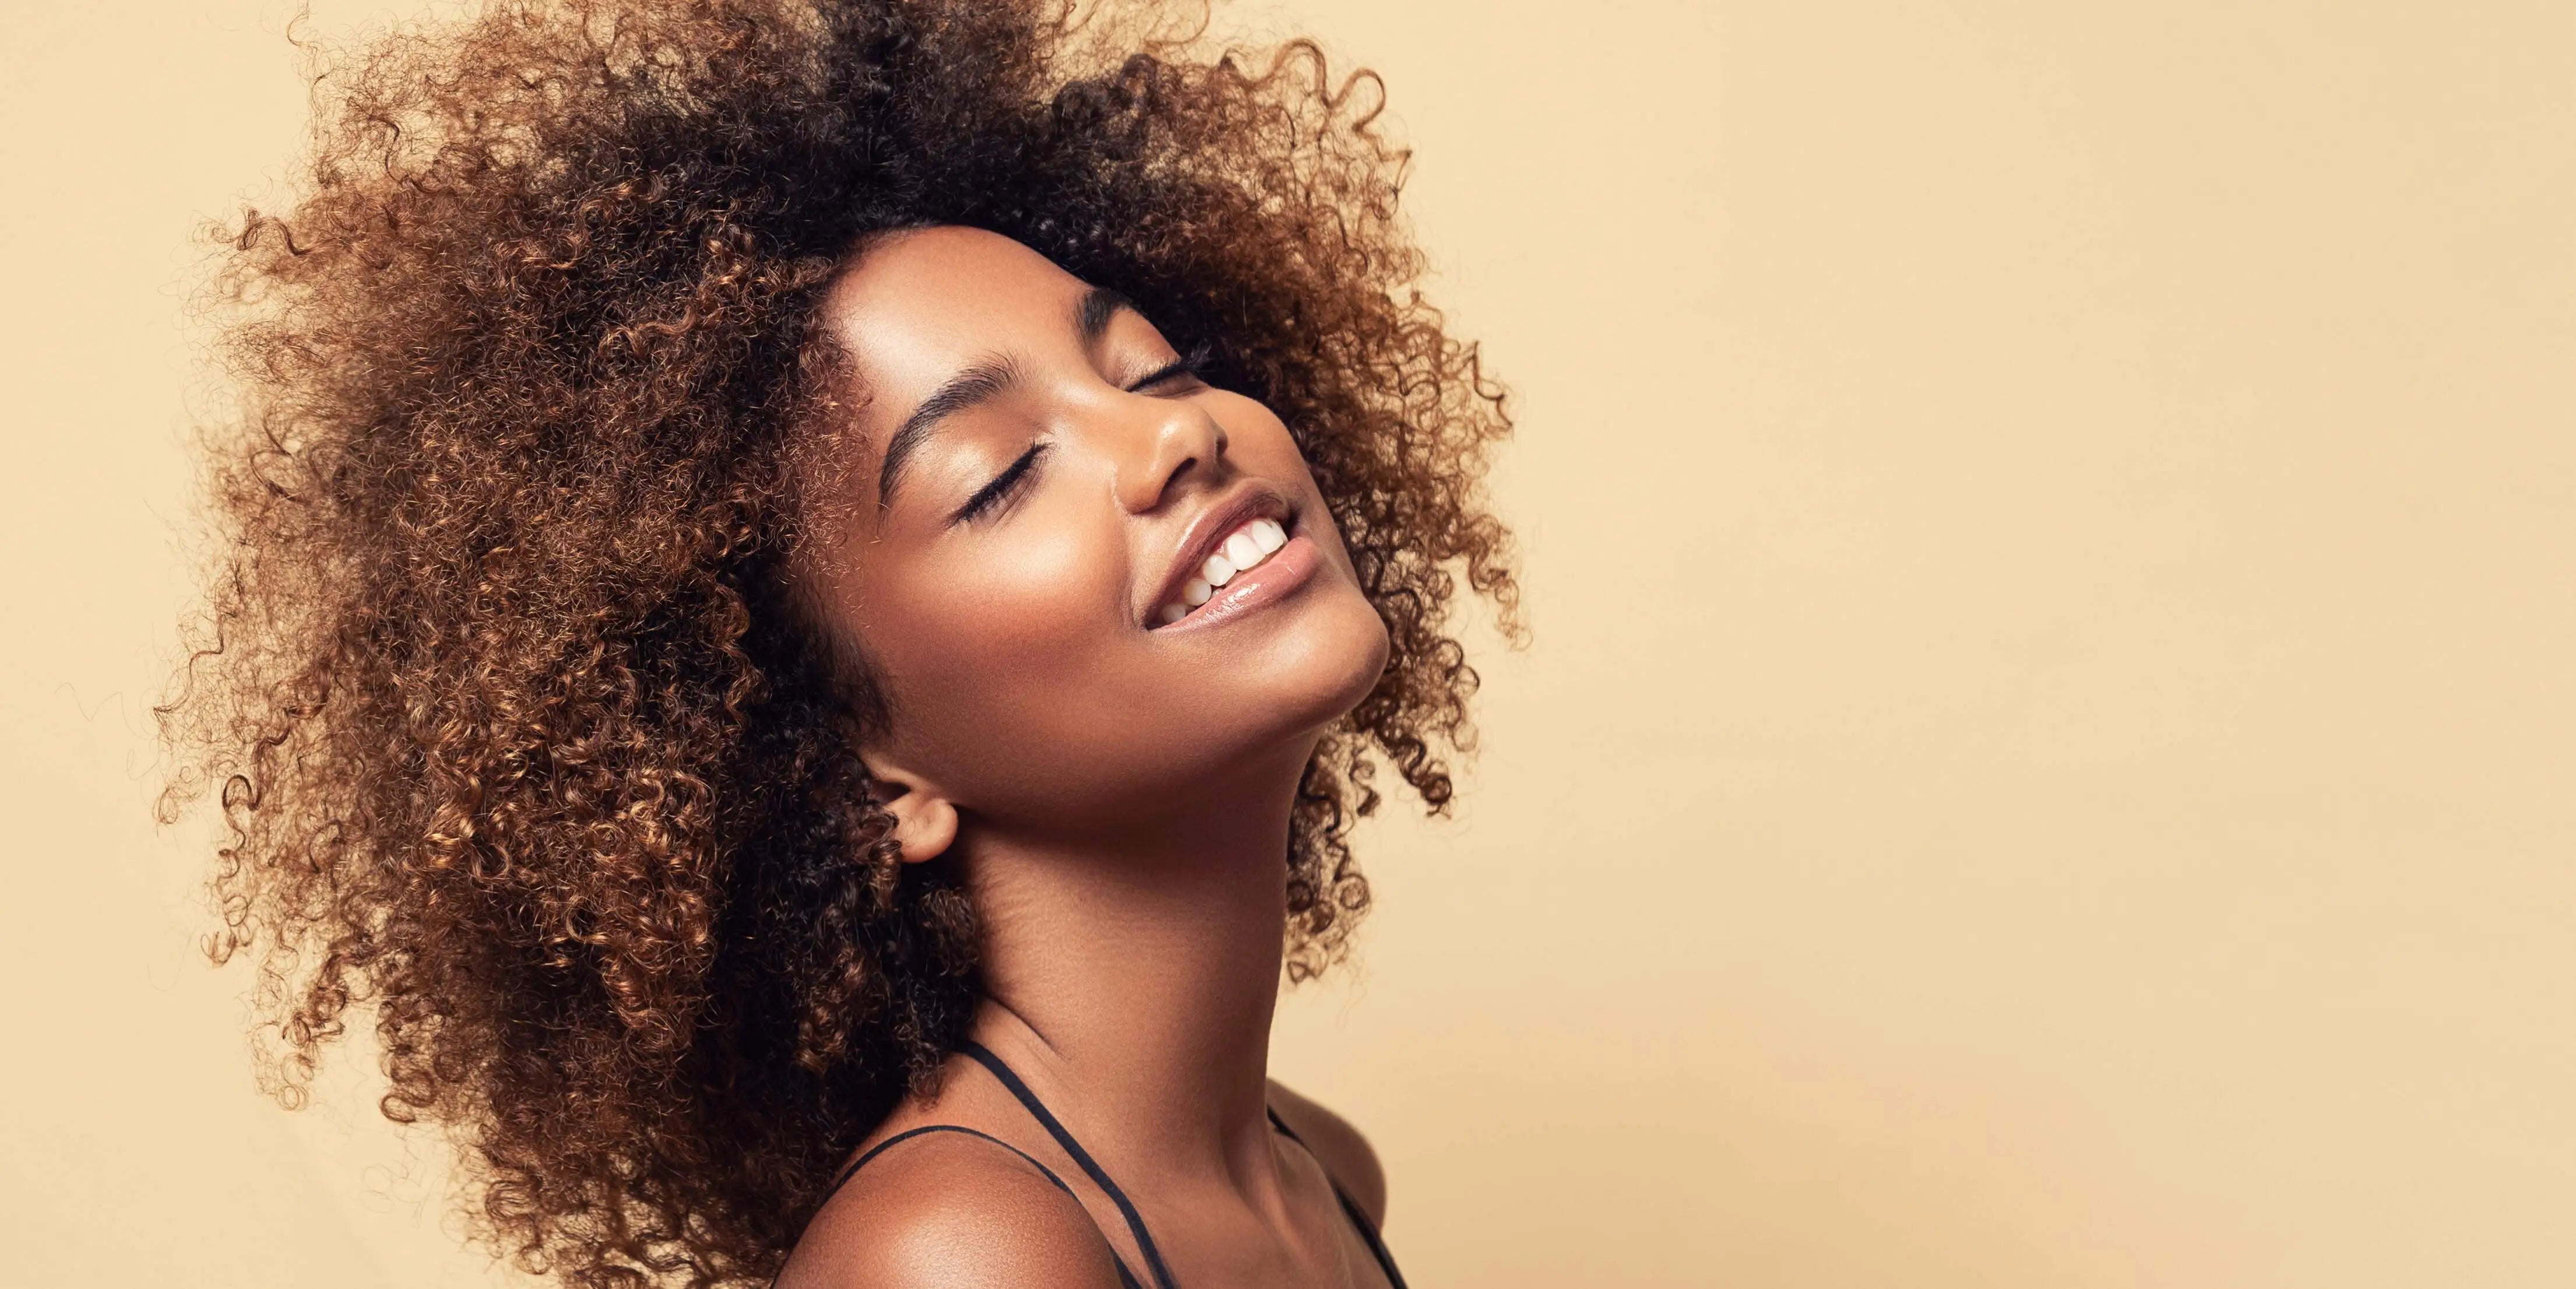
<point x="519" y="743"/>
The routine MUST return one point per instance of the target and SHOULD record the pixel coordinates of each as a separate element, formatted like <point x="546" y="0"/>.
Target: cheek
<point x="964" y="642"/>
<point x="1262" y="445"/>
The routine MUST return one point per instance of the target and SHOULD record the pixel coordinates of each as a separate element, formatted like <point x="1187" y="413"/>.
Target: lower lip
<point x="1257" y="587"/>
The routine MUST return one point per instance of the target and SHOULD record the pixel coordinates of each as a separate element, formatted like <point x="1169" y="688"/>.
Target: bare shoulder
<point x="1339" y="1147"/>
<point x="950" y="1210"/>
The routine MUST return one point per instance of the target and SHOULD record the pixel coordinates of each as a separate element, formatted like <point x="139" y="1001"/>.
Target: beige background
<point x="2046" y="759"/>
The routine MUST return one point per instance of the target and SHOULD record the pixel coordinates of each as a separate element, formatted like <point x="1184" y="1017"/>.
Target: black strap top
<point x="1099" y="1176"/>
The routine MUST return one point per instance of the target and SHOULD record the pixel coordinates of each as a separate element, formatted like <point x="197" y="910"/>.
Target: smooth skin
<point x="1116" y="792"/>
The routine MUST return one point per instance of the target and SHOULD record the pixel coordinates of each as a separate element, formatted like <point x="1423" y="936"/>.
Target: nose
<point x="1163" y="443"/>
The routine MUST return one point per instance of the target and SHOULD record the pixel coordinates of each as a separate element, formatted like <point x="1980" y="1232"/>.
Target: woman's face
<point x="1087" y="583"/>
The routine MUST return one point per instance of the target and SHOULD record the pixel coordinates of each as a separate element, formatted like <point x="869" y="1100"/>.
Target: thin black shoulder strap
<point x="1090" y="1167"/>
<point x="1126" y="1278"/>
<point x="1350" y="1207"/>
<point x="910" y="1133"/>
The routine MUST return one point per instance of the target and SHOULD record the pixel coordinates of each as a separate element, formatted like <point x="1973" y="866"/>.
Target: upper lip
<point x="1233" y="508"/>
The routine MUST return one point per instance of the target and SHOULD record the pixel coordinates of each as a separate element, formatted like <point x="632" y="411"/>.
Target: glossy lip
<point x="1268" y="582"/>
<point x="1236" y="506"/>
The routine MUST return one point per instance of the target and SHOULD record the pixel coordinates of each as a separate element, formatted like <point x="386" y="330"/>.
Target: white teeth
<point x="1242" y="551"/>
<point x="1244" y="548"/>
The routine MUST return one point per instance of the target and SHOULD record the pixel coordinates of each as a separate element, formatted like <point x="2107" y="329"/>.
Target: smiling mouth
<point x="1246" y="548"/>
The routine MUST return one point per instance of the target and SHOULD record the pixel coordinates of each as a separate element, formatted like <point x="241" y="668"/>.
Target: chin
<point x="1324" y="669"/>
<point x="1243" y="718"/>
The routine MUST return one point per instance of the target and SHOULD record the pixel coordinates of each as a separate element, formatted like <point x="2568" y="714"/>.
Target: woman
<point x="812" y="592"/>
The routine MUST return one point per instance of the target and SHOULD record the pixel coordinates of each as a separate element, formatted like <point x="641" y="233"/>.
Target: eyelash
<point x="1190" y="364"/>
<point x="1005" y="486"/>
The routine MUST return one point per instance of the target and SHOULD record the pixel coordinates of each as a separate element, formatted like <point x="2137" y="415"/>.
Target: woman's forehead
<point x="918" y="305"/>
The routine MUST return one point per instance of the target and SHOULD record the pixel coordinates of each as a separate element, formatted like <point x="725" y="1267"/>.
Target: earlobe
<point x="925" y="823"/>
<point x="926" y="829"/>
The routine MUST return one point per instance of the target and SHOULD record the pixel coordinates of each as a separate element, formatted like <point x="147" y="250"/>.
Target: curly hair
<point x="519" y="744"/>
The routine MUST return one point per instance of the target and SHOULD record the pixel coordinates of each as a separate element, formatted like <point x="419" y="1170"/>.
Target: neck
<point x="1133" y="978"/>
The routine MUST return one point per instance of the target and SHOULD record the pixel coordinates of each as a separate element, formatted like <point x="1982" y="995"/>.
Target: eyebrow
<point x="1099" y="305"/>
<point x="980" y="382"/>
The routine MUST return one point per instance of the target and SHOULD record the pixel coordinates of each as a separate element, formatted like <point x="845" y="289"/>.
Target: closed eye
<point x="1005" y="488"/>
<point x="1187" y="366"/>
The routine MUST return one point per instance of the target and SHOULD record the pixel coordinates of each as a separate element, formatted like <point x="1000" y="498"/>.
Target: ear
<point x="925" y="822"/>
